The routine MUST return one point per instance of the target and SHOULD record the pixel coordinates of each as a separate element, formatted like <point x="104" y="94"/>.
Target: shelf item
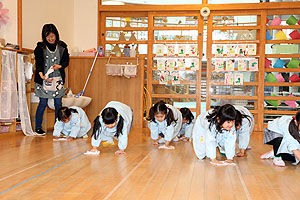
<point x="292" y="20"/>
<point x="268" y="35"/>
<point x="292" y="104"/>
<point x="294" y="78"/>
<point x="271" y="78"/>
<point x="294" y="63"/>
<point x="274" y="103"/>
<point x="279" y="78"/>
<point x="276" y="21"/>
<point x="295" y="35"/>
<point x="280" y="35"/>
<point x="285" y="49"/>
<point x="279" y="63"/>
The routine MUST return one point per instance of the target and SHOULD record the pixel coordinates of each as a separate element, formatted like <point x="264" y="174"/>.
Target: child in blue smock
<point x="113" y="122"/>
<point x="185" y="133"/>
<point x="244" y="125"/>
<point x="72" y="122"/>
<point x="208" y="125"/>
<point x="164" y="124"/>
<point x="283" y="134"/>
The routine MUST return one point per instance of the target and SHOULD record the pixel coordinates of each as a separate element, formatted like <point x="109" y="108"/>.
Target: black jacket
<point x="39" y="59"/>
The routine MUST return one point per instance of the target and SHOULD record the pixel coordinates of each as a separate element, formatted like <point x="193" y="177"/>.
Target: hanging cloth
<point x="23" y="106"/>
<point x="8" y="92"/>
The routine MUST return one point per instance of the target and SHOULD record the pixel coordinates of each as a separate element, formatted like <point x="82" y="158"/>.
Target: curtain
<point x="8" y="92"/>
<point x="23" y="106"/>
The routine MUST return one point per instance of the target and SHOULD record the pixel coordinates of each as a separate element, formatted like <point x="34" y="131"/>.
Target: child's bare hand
<point x="94" y="149"/>
<point x="69" y="139"/>
<point x="119" y="152"/>
<point x="185" y="139"/>
<point x="240" y="154"/>
<point x="229" y="161"/>
<point x="215" y="161"/>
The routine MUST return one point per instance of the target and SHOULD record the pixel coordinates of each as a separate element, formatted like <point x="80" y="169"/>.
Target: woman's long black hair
<point x="221" y="114"/>
<point x="109" y="116"/>
<point x="161" y="107"/>
<point x="293" y="128"/>
<point x="64" y="113"/>
<point x="47" y="29"/>
<point x="187" y="114"/>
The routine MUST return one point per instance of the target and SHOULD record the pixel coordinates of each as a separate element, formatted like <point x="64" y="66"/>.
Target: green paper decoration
<point x="271" y="78"/>
<point x="292" y="20"/>
<point x="294" y="63"/>
<point x="274" y="103"/>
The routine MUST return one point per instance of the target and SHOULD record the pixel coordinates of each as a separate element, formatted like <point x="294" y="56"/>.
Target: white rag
<point x="92" y="153"/>
<point x="50" y="70"/>
<point x="165" y="147"/>
<point x="60" y="139"/>
<point x="223" y="163"/>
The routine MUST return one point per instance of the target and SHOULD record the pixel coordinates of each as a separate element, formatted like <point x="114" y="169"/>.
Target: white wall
<point x="85" y="25"/>
<point x="9" y="31"/>
<point x="36" y="13"/>
<point x="76" y="21"/>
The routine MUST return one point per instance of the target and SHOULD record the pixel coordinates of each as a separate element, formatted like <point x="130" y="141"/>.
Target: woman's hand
<point x="155" y="142"/>
<point x="69" y="139"/>
<point x="56" y="66"/>
<point x="119" y="152"/>
<point x="47" y="79"/>
<point x="56" y="138"/>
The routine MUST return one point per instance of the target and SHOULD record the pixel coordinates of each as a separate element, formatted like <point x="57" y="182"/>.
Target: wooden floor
<point x="38" y="168"/>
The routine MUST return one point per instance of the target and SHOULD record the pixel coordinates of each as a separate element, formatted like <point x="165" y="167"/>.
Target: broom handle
<point x="91" y="70"/>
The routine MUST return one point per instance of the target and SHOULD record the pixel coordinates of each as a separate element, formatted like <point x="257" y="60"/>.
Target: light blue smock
<point x="76" y="127"/>
<point x="204" y="139"/>
<point x="246" y="129"/>
<point x="107" y="134"/>
<point x="187" y="129"/>
<point x="169" y="132"/>
<point x="288" y="143"/>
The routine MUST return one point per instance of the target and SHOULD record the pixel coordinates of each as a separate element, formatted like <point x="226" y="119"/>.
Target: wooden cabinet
<point x="282" y="60"/>
<point x="175" y="58"/>
<point x="234" y="50"/>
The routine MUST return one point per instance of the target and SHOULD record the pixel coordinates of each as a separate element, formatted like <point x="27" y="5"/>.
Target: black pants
<point x="285" y="156"/>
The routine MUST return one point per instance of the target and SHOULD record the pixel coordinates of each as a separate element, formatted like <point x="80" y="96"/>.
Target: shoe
<point x="267" y="155"/>
<point x="277" y="161"/>
<point x="175" y="139"/>
<point x="40" y="131"/>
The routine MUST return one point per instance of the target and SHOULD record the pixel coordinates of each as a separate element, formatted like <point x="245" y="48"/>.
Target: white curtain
<point x="23" y="106"/>
<point x="9" y="98"/>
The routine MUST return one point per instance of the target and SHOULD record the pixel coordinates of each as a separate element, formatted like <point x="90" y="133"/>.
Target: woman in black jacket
<point x="51" y="58"/>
